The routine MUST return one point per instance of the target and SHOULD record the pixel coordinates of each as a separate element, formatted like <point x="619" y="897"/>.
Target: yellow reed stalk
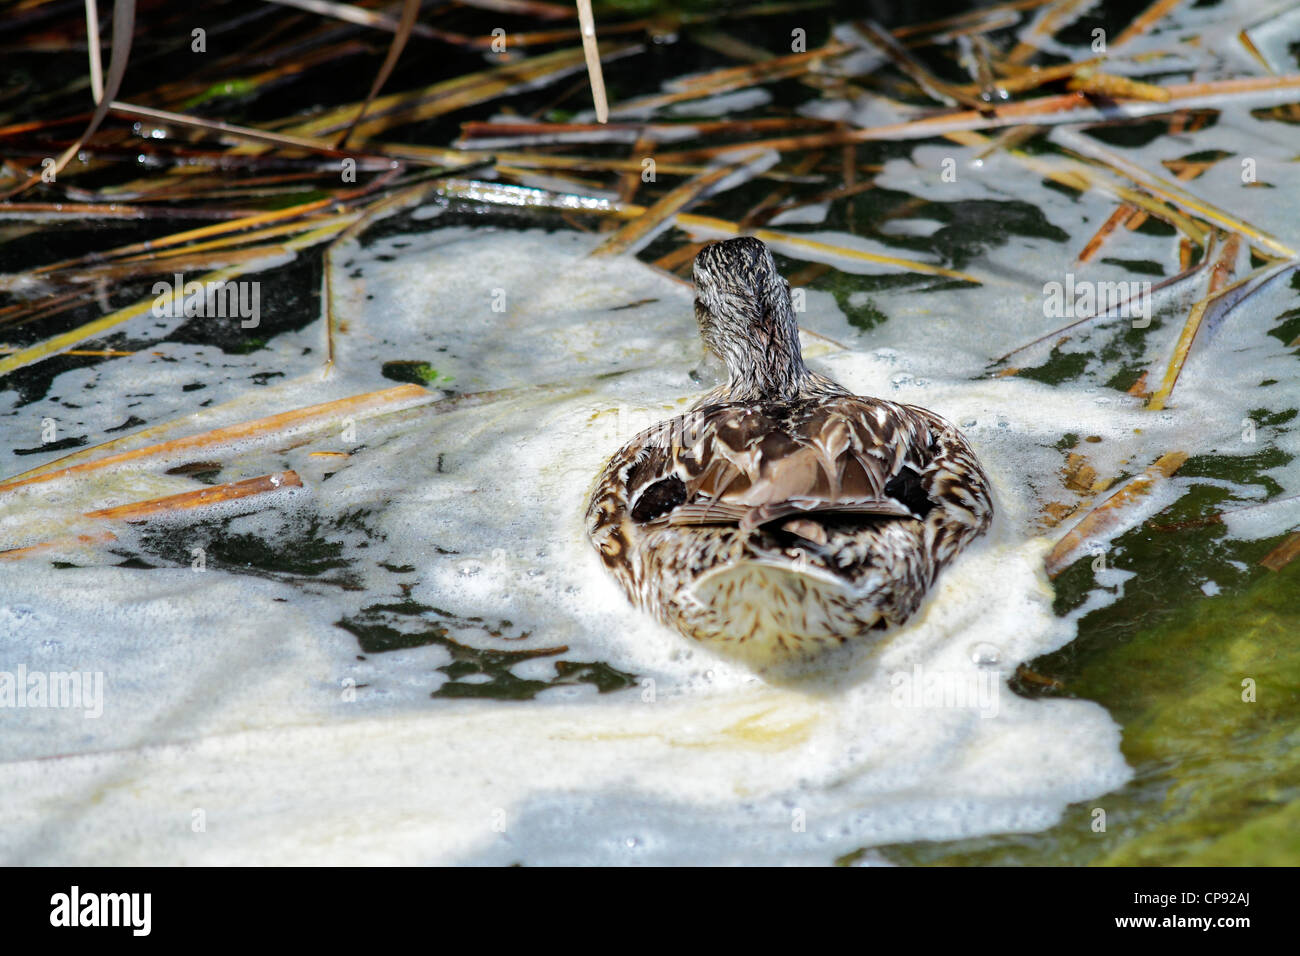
<point x="64" y="341"/>
<point x="1101" y="520"/>
<point x="277" y="426"/>
<point x="188" y="500"/>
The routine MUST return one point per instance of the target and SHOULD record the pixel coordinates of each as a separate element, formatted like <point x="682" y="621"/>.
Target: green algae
<point x="474" y="672"/>
<point x="1217" y="772"/>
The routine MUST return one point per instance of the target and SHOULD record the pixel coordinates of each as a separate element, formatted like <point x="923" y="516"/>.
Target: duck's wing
<point x="722" y="512"/>
<point x="954" y="482"/>
<point x="753" y="465"/>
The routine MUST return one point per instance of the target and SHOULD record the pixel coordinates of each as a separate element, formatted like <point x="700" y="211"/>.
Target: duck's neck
<point x="761" y="351"/>
<point x="767" y="363"/>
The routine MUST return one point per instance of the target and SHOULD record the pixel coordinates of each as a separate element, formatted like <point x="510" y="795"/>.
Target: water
<point x="417" y="658"/>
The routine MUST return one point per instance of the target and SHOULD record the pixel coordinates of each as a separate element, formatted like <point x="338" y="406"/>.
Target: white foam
<point x="211" y="671"/>
<point x="238" y="695"/>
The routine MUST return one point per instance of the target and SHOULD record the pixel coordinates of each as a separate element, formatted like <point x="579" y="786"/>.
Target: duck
<point x="782" y="515"/>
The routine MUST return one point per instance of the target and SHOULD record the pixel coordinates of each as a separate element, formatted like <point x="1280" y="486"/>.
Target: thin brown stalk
<point x="58" y="544"/>
<point x="1283" y="554"/>
<point x="1059" y="109"/>
<point x="758" y="215"/>
<point x="1222" y="270"/>
<point x="1061" y="14"/>
<point x="735" y="78"/>
<point x="65" y="340"/>
<point x="630" y="181"/>
<point x="682" y="255"/>
<point x="960" y="20"/>
<point x="1145" y="21"/>
<point x="200" y="498"/>
<point x="1186" y="174"/>
<point x="123" y="30"/>
<point x="591" y="52"/>
<point x="636" y="233"/>
<point x="932" y="85"/>
<point x="1079" y="145"/>
<point x="273" y="428"/>
<point x="410" y="9"/>
<point x="1098" y="523"/>
<point x="1183" y="276"/>
<point x="1110" y="86"/>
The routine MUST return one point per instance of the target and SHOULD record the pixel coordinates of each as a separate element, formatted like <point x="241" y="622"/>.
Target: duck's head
<point x="743" y="307"/>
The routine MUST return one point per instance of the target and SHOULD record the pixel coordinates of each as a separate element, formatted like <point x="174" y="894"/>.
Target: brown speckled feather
<point x="795" y="518"/>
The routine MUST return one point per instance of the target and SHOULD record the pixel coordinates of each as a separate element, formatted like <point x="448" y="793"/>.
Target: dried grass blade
<point x="933" y="87"/>
<point x="65" y="340"/>
<point x="410" y="10"/>
<point x="347" y="12"/>
<point x="591" y="52"/>
<point x="767" y="206"/>
<point x="71" y="541"/>
<point x="1036" y="76"/>
<point x="964" y="20"/>
<point x="1061" y="14"/>
<point x="1055" y="110"/>
<point x="1283" y="554"/>
<point x="1139" y="216"/>
<point x="123" y="30"/>
<point x="1110" y="86"/>
<point x="231" y="228"/>
<point x="1218" y="301"/>
<point x="636" y="234"/>
<point x="1145" y="21"/>
<point x="797" y="246"/>
<point x="672" y="261"/>
<point x="1081" y="146"/>
<point x="735" y="78"/>
<point x="524" y="8"/>
<point x="115" y="210"/>
<point x="1081" y="176"/>
<point x="274" y="427"/>
<point x="1183" y="276"/>
<point x="188" y="500"/>
<point x="92" y="47"/>
<point x="1123" y="212"/>
<point x="227" y="129"/>
<point x="448" y="96"/>
<point x="811" y="249"/>
<point x="1101" y="520"/>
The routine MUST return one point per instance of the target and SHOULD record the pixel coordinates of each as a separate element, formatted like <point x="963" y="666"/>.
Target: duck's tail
<point x="770" y="612"/>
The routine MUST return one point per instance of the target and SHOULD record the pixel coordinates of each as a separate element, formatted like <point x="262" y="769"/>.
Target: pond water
<point x="415" y="656"/>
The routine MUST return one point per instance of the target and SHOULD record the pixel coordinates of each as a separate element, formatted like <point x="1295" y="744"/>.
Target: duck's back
<point x="779" y="528"/>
